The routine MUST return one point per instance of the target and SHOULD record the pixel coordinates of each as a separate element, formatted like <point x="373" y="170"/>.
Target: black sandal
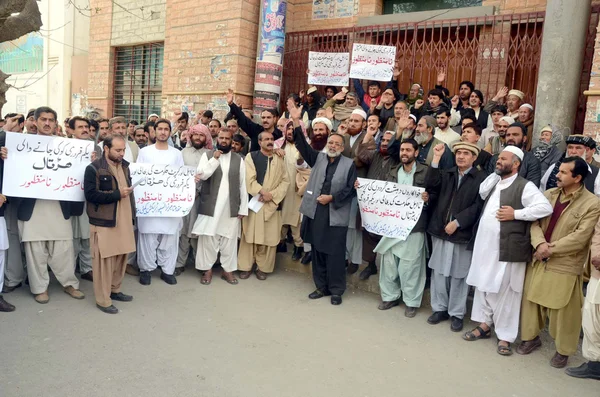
<point x="504" y="350"/>
<point x="470" y="336"/>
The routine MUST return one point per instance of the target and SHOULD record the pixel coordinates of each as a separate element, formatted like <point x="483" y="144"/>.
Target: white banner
<point x="328" y="68"/>
<point x="372" y="62"/>
<point x="163" y="190"/>
<point x="45" y="167"/>
<point x="389" y="209"/>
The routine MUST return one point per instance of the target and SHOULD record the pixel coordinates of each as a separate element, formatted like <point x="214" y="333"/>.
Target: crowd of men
<point x="516" y="225"/>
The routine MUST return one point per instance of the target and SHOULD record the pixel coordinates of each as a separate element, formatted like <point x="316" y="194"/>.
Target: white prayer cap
<point x="153" y="115"/>
<point x="412" y="116"/>
<point x="323" y="120"/>
<point x="517" y="93"/>
<point x="526" y="105"/>
<point x="508" y="119"/>
<point x="515" y="150"/>
<point x="360" y="112"/>
<point x="311" y="90"/>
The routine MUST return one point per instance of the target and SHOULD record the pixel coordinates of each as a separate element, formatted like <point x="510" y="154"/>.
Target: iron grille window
<point x="138" y="81"/>
<point x="402" y="6"/>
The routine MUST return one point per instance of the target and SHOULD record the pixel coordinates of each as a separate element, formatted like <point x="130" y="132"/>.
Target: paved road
<point x="255" y="339"/>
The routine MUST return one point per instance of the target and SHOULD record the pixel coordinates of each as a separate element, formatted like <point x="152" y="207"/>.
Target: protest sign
<point x="372" y="62"/>
<point x="387" y="208"/>
<point x="328" y="68"/>
<point x="45" y="167"/>
<point x="163" y="190"/>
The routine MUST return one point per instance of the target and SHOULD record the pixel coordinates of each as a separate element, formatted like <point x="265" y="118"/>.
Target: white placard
<point x="45" y="167"/>
<point x="328" y="68"/>
<point x="372" y="62"/>
<point x="164" y="191"/>
<point x="389" y="209"/>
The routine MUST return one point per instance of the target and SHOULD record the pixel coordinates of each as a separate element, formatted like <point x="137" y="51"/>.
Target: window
<point x="138" y="81"/>
<point x="403" y="6"/>
<point x="24" y="55"/>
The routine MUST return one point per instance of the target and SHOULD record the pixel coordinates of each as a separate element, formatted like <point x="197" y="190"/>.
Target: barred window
<point x="138" y="81"/>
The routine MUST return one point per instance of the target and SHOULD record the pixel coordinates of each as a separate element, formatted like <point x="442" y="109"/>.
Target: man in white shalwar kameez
<point x="223" y="201"/>
<point x="502" y="249"/>
<point x="159" y="236"/>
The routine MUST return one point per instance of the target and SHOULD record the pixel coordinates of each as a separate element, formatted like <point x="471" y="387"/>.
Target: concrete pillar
<point x="563" y="44"/>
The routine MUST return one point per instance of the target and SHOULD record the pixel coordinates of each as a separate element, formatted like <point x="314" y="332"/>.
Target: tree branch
<point x="27" y="19"/>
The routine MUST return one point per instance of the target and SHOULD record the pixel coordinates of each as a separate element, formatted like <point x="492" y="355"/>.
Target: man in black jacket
<point x="269" y="122"/>
<point x="516" y="135"/>
<point x="111" y="211"/>
<point x="455" y="212"/>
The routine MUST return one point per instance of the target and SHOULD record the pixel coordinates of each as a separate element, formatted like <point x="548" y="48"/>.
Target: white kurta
<point x="487" y="271"/>
<point x="155" y="225"/>
<point x="448" y="136"/>
<point x="546" y="176"/>
<point x="222" y="223"/>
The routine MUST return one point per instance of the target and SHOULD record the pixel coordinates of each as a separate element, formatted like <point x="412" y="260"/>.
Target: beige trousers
<point x="262" y="255"/>
<point x="59" y="255"/>
<point x="591" y="323"/>
<point x="108" y="273"/>
<point x="295" y="234"/>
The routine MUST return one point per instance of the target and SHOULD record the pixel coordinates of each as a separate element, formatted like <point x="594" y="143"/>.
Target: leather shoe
<point x="298" y="251"/>
<point x="6" y="289"/>
<point x="119" y="296"/>
<point x="351" y="268"/>
<point x="410" y="312"/>
<point x="585" y="371"/>
<point x="456" y="325"/>
<point x="5" y="306"/>
<point x="528" y="346"/>
<point x="307" y="258"/>
<point x="317" y="294"/>
<point x="336" y="300"/>
<point x="132" y="271"/>
<point x="282" y="247"/>
<point x="385" y="305"/>
<point x="110" y="309"/>
<point x="261" y="275"/>
<point x="42" y="298"/>
<point x="245" y="275"/>
<point x="559" y="361"/>
<point x="89" y="276"/>
<point x="74" y="293"/>
<point x="438" y="317"/>
<point x="368" y="271"/>
<point x="168" y="278"/>
<point x="145" y="278"/>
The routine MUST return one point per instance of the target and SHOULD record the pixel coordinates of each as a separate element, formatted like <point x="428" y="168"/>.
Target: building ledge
<point x="422" y="16"/>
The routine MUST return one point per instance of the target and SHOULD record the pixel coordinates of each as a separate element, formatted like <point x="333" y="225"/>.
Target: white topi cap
<point x="515" y="150"/>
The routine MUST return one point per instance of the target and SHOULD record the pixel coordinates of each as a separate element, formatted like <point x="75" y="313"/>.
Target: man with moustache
<point x="222" y="202"/>
<point x="150" y="132"/>
<point x="496" y="113"/>
<point x="502" y="249"/>
<point x="46" y="231"/>
<point x="111" y="212"/>
<point x="497" y="143"/>
<point x="199" y="136"/>
<point x="139" y="136"/>
<point x="325" y="208"/>
<point x="343" y="111"/>
<point x="267" y="178"/>
<point x="379" y="161"/>
<point x="454" y="216"/>
<point x="321" y="128"/>
<point x="402" y="267"/>
<point x="118" y="125"/>
<point x="214" y="127"/>
<point x="577" y="146"/>
<point x="443" y="132"/>
<point x="238" y="143"/>
<point x="424" y="137"/>
<point x="268" y="118"/>
<point x="516" y="135"/>
<point x="471" y="133"/>
<point x="483" y="119"/>
<point x="30" y="123"/>
<point x="103" y="130"/>
<point x="159" y="236"/>
<point x="514" y="100"/>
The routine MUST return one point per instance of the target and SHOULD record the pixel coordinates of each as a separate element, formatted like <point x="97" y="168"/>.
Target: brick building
<point x="155" y="56"/>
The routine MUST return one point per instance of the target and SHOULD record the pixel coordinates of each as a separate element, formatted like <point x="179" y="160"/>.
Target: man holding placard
<point x="46" y="231"/>
<point x="159" y="236"/>
<point x="111" y="214"/>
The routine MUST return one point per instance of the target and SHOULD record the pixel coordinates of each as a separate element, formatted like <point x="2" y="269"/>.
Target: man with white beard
<point x="424" y="137"/>
<point x="577" y="146"/>
<point x="502" y="249"/>
<point x="222" y="203"/>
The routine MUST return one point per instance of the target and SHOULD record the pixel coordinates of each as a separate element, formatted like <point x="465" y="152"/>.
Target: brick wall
<point x="138" y="21"/>
<point x="100" y="69"/>
<point x="299" y="16"/>
<point x="209" y="47"/>
<point x="516" y="6"/>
